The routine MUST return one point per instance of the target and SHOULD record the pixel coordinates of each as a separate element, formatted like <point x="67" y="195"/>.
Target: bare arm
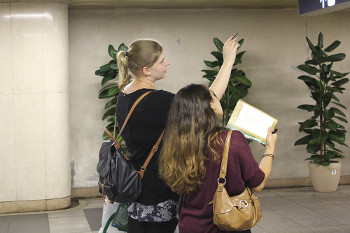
<point x="266" y="162"/>
<point x="229" y="55"/>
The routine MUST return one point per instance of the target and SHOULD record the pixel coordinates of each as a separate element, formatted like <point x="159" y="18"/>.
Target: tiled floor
<point x="299" y="210"/>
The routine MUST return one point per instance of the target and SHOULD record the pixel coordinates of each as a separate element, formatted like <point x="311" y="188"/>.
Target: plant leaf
<point x="333" y="46"/>
<point x="109" y="92"/>
<point x="308" y="69"/>
<point x="335" y="57"/>
<point x="209" y="77"/>
<point x="239" y="93"/>
<point x="238" y="59"/>
<point x="334" y="89"/>
<point x="336" y="110"/>
<point x="218" y="56"/>
<point x="313" y="146"/>
<point x="242" y="79"/>
<point x="319" y="136"/>
<point x="99" y="72"/>
<point x="112" y="52"/>
<point x="331" y="125"/>
<point x="311" y="46"/>
<point x="320" y="40"/>
<point x="307" y="124"/>
<point x="107" y="78"/>
<point x="109" y="112"/>
<point x="329" y="143"/>
<point x="218" y="44"/>
<point x="210" y="72"/>
<point x="311" y="62"/>
<point x="326" y="98"/>
<point x="340" y="82"/>
<point x="337" y="136"/>
<point x="304" y="140"/>
<point x="112" y="102"/>
<point x="122" y="47"/>
<point x="308" y="107"/>
<point x="212" y="63"/>
<point x="341" y="75"/>
<point x="340" y="105"/>
<point x="341" y="119"/>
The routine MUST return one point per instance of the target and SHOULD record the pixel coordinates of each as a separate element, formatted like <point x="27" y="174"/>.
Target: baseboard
<point x="34" y="205"/>
<point x="299" y="182"/>
<point x="275" y="183"/>
<point x="85" y="192"/>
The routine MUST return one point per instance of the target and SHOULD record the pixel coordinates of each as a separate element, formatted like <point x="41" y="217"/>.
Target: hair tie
<point x="126" y="53"/>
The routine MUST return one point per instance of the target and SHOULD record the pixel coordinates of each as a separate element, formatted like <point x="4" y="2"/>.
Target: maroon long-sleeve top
<point x="242" y="170"/>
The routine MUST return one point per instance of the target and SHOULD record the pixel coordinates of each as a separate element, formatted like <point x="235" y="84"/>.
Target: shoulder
<point x="161" y="98"/>
<point x="236" y="136"/>
<point x="162" y="94"/>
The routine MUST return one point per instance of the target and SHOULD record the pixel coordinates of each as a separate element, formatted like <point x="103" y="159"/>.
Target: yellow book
<point x="252" y="122"/>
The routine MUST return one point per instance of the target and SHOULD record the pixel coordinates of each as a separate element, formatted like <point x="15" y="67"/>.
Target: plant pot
<point x="325" y="178"/>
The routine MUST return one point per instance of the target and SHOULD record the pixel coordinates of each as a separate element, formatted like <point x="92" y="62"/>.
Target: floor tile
<point x="273" y="220"/>
<point x="29" y="220"/>
<point x="331" y="229"/>
<point x="73" y="212"/>
<point x="289" y="230"/>
<point x="94" y="217"/>
<point x="29" y="229"/>
<point x="94" y="203"/>
<point x="76" y="228"/>
<point x="273" y="200"/>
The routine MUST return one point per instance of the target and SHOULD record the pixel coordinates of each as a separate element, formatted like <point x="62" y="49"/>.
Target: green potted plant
<point x="110" y="89"/>
<point x="238" y="84"/>
<point x="324" y="130"/>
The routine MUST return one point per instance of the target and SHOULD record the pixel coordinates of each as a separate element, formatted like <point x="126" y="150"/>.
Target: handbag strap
<point x="225" y="158"/>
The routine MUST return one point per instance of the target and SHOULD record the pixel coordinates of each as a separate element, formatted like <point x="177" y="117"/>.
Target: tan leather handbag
<point x="235" y="213"/>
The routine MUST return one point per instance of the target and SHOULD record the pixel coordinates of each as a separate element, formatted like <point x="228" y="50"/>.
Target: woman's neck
<point x="138" y="84"/>
<point x="145" y="83"/>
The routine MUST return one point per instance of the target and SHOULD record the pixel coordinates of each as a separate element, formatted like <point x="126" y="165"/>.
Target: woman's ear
<point x="146" y="71"/>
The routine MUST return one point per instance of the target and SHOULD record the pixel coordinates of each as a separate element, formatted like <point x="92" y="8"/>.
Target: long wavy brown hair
<point x="191" y="125"/>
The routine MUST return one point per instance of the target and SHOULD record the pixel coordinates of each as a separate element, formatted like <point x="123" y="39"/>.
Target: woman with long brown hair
<point x="191" y="157"/>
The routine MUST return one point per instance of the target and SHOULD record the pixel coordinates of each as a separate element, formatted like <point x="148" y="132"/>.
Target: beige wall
<point x="275" y="44"/>
<point x="34" y="103"/>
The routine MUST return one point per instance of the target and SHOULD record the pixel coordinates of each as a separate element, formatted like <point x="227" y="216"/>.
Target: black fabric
<point x="135" y="226"/>
<point x="141" y="133"/>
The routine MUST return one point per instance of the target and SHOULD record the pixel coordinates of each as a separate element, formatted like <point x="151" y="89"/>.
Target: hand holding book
<point x="252" y="122"/>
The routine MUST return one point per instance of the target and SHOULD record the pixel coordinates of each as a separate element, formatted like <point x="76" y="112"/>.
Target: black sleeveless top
<point x="140" y="134"/>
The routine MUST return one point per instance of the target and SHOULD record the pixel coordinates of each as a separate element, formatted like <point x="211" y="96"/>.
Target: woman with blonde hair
<point x="155" y="210"/>
<point x="191" y="157"/>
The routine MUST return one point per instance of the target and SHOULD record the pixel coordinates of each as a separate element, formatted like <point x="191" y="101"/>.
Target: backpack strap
<point x="130" y="112"/>
<point x="117" y="144"/>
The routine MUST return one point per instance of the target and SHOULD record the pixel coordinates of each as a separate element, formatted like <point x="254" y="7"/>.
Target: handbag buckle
<point x="223" y="179"/>
<point x="243" y="204"/>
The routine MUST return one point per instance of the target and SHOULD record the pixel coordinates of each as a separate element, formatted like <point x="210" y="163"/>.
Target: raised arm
<point x="266" y="162"/>
<point x="229" y="55"/>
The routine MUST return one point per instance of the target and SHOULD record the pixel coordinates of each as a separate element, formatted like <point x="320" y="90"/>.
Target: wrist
<point x="268" y="155"/>
<point x="269" y="150"/>
<point x="228" y="62"/>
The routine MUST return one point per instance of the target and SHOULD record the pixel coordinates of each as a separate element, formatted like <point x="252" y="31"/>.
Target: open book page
<point x="252" y="122"/>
